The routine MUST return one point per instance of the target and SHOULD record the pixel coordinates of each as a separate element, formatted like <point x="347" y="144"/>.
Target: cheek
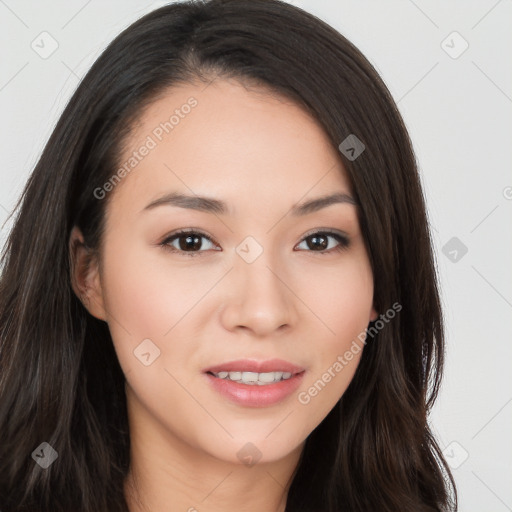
<point x="148" y="298"/>
<point x="148" y="293"/>
<point x="342" y="299"/>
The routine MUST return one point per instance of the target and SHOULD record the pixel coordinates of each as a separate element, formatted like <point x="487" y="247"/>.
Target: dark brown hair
<point x="60" y="381"/>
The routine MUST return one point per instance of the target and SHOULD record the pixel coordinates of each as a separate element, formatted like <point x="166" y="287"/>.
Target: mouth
<point x="253" y="378"/>
<point x="252" y="372"/>
<point x="253" y="383"/>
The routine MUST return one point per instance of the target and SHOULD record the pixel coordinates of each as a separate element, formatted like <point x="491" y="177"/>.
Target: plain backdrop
<point x="448" y="65"/>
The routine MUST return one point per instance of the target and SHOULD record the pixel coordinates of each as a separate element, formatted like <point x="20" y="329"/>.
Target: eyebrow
<point x="216" y="206"/>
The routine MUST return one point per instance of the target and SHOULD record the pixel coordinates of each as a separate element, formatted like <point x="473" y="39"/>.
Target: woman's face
<point x="257" y="278"/>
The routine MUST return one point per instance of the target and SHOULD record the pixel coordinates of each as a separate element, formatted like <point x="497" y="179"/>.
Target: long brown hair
<point x="60" y="381"/>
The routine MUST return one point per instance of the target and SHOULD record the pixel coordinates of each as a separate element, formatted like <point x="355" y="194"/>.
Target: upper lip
<point x="252" y="365"/>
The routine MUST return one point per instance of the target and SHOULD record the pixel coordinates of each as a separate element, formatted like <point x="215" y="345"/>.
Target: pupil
<point x="191" y="242"/>
<point x="318" y="242"/>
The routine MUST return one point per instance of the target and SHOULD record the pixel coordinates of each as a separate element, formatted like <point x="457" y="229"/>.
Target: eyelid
<point x="342" y="238"/>
<point x="327" y="231"/>
<point x="183" y="231"/>
<point x="180" y="231"/>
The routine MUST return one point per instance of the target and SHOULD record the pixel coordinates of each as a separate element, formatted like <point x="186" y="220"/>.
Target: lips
<point x="247" y="394"/>
<point x="251" y="365"/>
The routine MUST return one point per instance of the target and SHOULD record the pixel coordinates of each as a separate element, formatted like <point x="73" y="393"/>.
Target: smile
<point x="253" y="378"/>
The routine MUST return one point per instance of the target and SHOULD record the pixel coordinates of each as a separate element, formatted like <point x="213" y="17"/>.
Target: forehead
<point x="225" y="140"/>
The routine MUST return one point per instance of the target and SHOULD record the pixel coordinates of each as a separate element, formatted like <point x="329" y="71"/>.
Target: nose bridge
<point x="260" y="299"/>
<point x="262" y="279"/>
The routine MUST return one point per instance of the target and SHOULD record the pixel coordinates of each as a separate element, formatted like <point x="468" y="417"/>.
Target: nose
<point x="259" y="299"/>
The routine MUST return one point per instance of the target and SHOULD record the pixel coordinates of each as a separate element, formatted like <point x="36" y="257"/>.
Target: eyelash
<point x="343" y="241"/>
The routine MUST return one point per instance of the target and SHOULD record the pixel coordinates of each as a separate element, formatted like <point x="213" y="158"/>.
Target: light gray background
<point x="458" y="112"/>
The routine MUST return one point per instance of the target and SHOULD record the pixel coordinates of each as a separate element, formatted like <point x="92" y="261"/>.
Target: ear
<point x="373" y="315"/>
<point x="85" y="276"/>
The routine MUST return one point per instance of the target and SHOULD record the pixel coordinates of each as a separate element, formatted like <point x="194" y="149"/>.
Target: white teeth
<point x="253" y="378"/>
<point x="270" y="377"/>
<point x="249" y="377"/>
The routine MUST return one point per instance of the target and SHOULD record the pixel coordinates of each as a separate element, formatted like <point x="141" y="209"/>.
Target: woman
<point x="219" y="292"/>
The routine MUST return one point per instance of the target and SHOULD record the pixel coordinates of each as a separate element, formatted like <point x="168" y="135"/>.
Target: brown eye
<point x="188" y="242"/>
<point x="324" y="241"/>
<point x="320" y="242"/>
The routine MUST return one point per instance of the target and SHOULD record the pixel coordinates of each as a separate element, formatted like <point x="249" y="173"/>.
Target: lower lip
<point x="255" y="395"/>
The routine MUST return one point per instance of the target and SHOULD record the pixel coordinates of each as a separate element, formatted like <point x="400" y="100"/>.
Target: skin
<point x="261" y="155"/>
